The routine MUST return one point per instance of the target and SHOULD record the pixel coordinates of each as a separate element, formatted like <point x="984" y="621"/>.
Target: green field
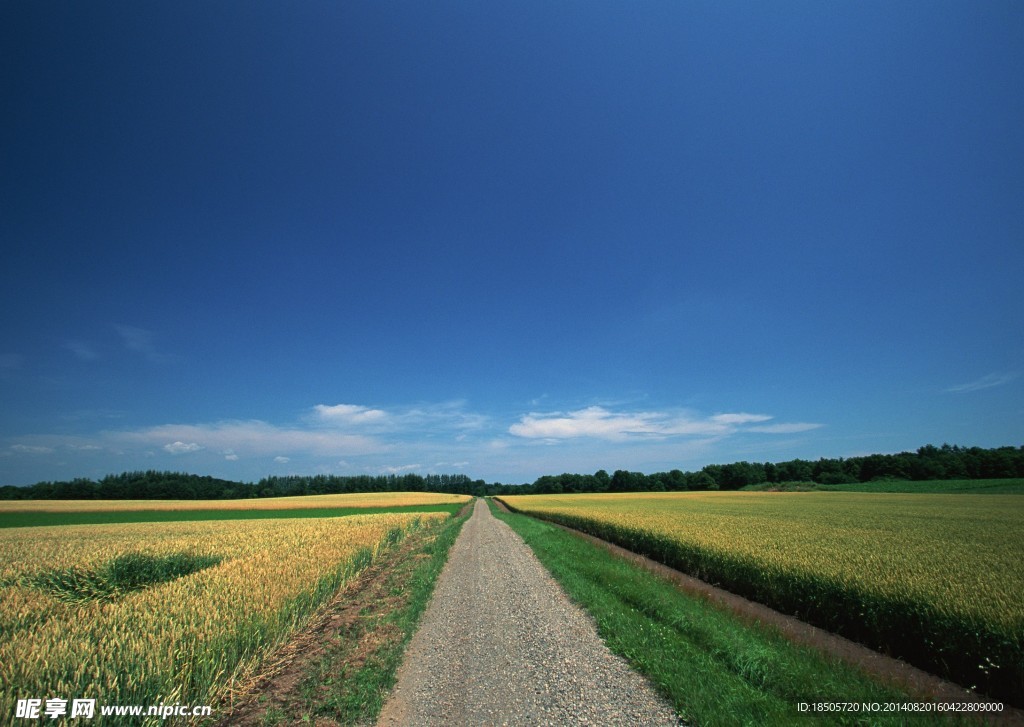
<point x="932" y="578"/>
<point x="973" y="487"/>
<point x="30" y="518"/>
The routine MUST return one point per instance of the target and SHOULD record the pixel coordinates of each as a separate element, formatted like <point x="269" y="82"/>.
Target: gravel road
<point x="501" y="644"/>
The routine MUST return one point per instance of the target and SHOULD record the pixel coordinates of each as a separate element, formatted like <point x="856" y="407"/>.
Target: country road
<point x="501" y="644"/>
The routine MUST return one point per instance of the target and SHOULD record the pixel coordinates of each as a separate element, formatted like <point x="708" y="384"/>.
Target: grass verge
<point x="39" y="519"/>
<point x="347" y="675"/>
<point x="714" y="668"/>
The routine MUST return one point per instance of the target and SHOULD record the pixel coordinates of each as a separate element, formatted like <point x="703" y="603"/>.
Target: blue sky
<point x="506" y="239"/>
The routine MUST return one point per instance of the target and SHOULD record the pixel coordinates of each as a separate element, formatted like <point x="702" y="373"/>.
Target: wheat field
<point x="933" y="578"/>
<point x="68" y="633"/>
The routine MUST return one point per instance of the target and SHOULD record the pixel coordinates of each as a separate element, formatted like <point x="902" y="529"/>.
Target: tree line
<point x="948" y="462"/>
<point x="154" y="485"/>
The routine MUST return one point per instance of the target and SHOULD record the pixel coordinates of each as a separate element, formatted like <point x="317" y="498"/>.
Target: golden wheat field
<point x="962" y="552"/>
<point x="935" y="578"/>
<point x="304" y="502"/>
<point x="189" y="639"/>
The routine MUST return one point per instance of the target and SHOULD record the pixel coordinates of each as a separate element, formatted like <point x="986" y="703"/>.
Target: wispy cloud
<point x="594" y="421"/>
<point x="84" y="415"/>
<point x="82" y="350"/>
<point x="182" y="447"/>
<point x="141" y="341"/>
<point x="791" y="428"/>
<point x="250" y="437"/>
<point x="985" y="382"/>
<point x="738" y="418"/>
<point x="352" y="414"/>
<point x="438" y="437"/>
<point x="30" y="449"/>
<point x="399" y="469"/>
<point x="600" y="423"/>
<point x="345" y="433"/>
<point x="444" y="416"/>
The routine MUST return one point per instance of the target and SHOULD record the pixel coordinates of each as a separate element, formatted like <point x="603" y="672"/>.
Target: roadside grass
<point x="40" y="519"/>
<point x="350" y="680"/>
<point x="713" y="667"/>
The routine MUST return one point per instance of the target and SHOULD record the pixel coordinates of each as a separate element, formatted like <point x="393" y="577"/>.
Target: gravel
<point x="501" y="644"/>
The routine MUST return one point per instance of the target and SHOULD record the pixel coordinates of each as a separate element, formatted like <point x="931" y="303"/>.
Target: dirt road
<point x="500" y="644"/>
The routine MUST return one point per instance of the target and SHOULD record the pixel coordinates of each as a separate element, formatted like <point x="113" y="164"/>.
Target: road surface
<point x="501" y="644"/>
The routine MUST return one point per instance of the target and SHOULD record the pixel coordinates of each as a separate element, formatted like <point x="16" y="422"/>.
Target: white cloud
<point x="594" y="421"/>
<point x="444" y="415"/>
<point x="457" y="465"/>
<point x="985" y="382"/>
<point x="451" y="415"/>
<point x="253" y="438"/>
<point x="600" y="423"/>
<point x="391" y="470"/>
<point x="356" y="438"/>
<point x="30" y="449"/>
<point x="350" y="414"/>
<point x="739" y="418"/>
<point x="792" y="428"/>
<point x="182" y="447"/>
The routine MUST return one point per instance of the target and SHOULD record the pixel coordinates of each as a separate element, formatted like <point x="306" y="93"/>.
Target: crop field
<point x="1009" y="486"/>
<point x="28" y="513"/>
<point x="357" y="499"/>
<point x="934" y="579"/>
<point x="167" y="613"/>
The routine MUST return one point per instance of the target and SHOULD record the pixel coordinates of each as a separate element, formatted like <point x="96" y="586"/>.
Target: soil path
<point x="501" y="644"/>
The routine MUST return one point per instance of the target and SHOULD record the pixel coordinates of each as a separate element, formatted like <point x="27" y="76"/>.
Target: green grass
<point x="37" y="519"/>
<point x="973" y="487"/>
<point x="713" y="667"/>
